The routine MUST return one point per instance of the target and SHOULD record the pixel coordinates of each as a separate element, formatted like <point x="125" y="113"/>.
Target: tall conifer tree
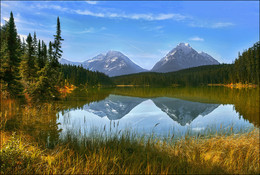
<point x="57" y="52"/>
<point x="11" y="59"/>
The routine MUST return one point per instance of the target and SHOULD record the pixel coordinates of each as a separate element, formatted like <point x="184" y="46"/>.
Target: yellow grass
<point x="234" y="154"/>
<point x="236" y="85"/>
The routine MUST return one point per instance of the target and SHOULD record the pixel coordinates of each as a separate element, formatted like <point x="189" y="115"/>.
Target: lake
<point x="159" y="111"/>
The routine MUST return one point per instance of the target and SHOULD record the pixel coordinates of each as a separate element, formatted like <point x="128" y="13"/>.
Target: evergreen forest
<point x="30" y="68"/>
<point x="245" y="69"/>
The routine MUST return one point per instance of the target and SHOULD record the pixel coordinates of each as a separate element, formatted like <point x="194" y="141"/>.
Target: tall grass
<point x="121" y="152"/>
<point x="133" y="154"/>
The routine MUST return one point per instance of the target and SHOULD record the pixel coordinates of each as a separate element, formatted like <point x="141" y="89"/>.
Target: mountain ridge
<point x="115" y="63"/>
<point x="183" y="56"/>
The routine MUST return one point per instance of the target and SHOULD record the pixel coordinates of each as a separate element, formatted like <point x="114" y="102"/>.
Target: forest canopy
<point x="31" y="68"/>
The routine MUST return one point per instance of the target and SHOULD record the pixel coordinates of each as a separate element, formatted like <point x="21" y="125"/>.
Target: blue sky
<point x="144" y="31"/>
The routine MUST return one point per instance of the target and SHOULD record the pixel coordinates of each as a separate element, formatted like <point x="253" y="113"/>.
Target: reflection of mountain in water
<point x="114" y="107"/>
<point x="183" y="111"/>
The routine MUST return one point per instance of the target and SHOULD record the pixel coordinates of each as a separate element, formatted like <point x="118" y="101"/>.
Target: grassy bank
<point x="237" y="154"/>
<point x="236" y="85"/>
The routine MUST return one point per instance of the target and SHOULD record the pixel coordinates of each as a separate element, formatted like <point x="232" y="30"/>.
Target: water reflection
<point x="161" y="115"/>
<point x="187" y="109"/>
<point x="182" y="111"/>
<point x="114" y="107"/>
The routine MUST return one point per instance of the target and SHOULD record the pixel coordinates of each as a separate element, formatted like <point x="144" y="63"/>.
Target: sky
<point x="145" y="31"/>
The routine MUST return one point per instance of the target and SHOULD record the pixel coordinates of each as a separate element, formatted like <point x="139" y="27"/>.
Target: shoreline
<point x="178" y="157"/>
<point x="236" y="85"/>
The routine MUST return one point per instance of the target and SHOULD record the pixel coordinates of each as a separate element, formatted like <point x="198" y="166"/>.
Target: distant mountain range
<point x="114" y="63"/>
<point x="116" y="107"/>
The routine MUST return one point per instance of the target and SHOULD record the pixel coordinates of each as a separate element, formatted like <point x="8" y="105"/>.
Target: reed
<point x="133" y="154"/>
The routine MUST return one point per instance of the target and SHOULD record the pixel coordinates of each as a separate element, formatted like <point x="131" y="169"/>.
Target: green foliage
<point x="31" y="66"/>
<point x="10" y="60"/>
<point x="245" y="70"/>
<point x="45" y="86"/>
<point x="77" y="75"/>
<point x="27" y="68"/>
<point x="57" y="52"/>
<point x="246" y="66"/>
<point x="190" y="77"/>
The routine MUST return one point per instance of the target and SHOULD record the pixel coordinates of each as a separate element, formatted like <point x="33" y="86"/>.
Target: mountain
<point x="182" y="111"/>
<point x="64" y="61"/>
<point x="181" y="57"/>
<point x="113" y="107"/>
<point x="113" y="63"/>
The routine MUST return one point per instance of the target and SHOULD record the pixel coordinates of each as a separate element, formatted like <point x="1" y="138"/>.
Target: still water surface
<point x="162" y="112"/>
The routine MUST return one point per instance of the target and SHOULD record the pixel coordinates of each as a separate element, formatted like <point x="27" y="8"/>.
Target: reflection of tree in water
<point x="116" y="107"/>
<point x="81" y="97"/>
<point x="39" y="120"/>
<point x="246" y="101"/>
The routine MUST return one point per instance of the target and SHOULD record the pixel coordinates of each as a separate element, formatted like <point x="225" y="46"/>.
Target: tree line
<point x="77" y="75"/>
<point x="245" y="70"/>
<point x="31" y="67"/>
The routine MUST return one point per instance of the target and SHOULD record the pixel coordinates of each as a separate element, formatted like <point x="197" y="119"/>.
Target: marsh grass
<point x="133" y="154"/>
<point x="123" y="152"/>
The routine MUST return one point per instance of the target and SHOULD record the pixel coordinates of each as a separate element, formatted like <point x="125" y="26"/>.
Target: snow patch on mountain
<point x="113" y="63"/>
<point x="181" y="57"/>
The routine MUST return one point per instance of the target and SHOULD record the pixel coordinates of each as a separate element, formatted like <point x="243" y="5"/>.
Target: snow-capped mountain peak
<point x="181" y="57"/>
<point x="113" y="63"/>
<point x="184" y="45"/>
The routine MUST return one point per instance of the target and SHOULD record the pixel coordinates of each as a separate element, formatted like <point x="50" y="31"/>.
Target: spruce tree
<point x="35" y="45"/>
<point x="28" y="69"/>
<point x="44" y="52"/>
<point x="50" y="52"/>
<point x="57" y="53"/>
<point x="40" y="60"/>
<point x="10" y="60"/>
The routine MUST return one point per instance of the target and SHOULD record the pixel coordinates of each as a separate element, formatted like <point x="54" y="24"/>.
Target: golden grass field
<point x="220" y="154"/>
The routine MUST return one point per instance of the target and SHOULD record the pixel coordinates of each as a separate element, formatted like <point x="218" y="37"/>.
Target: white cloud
<point x="46" y="6"/>
<point x="91" y="2"/>
<point x="211" y="25"/>
<point x="196" y="38"/>
<point x="221" y="24"/>
<point x="138" y="16"/>
<point x="5" y="19"/>
<point x="148" y="17"/>
<point x="89" y="13"/>
<point x="23" y="37"/>
<point x="18" y="19"/>
<point x="4" y="4"/>
<point x="91" y="30"/>
<point x="88" y="30"/>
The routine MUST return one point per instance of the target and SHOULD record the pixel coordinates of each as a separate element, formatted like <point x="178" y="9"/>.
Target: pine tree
<point x="35" y="45"/>
<point x="40" y="59"/>
<point x="44" y="53"/>
<point x="57" y="53"/>
<point x="3" y="34"/>
<point x="11" y="60"/>
<point x="50" y="52"/>
<point x="23" y="47"/>
<point x="28" y="69"/>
